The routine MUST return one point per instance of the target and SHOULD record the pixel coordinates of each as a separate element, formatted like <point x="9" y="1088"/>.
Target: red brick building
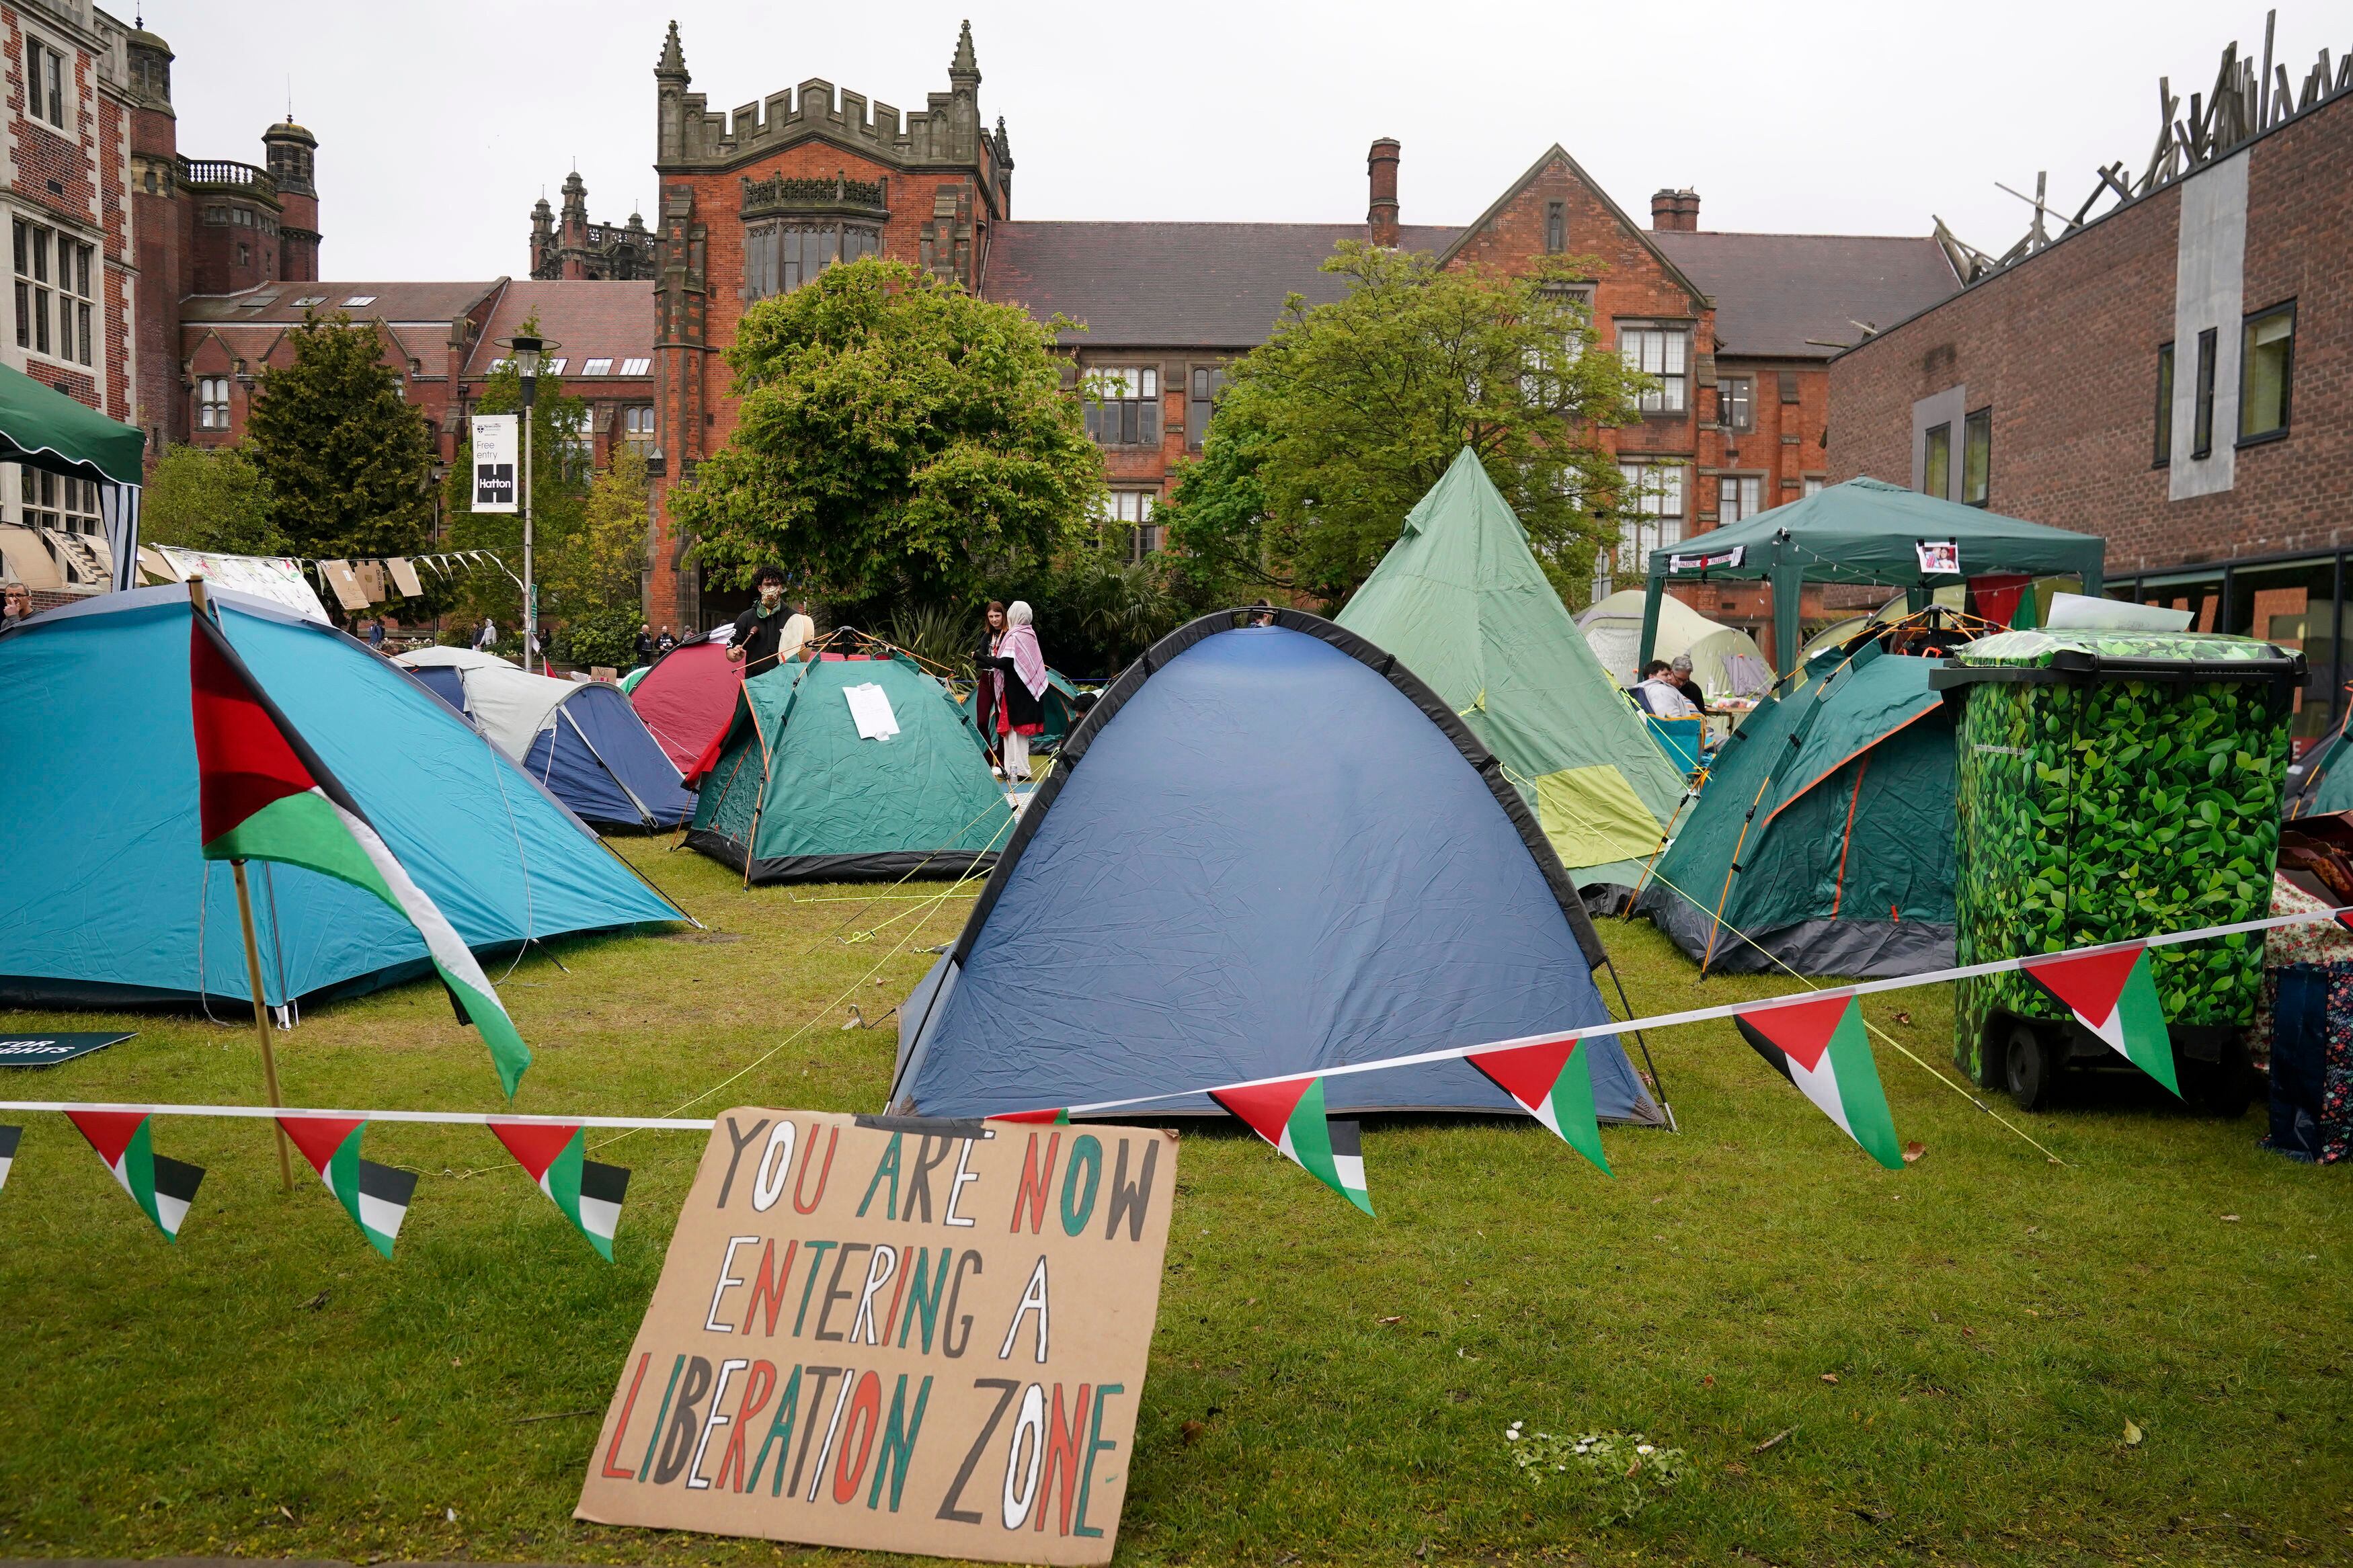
<point x="1738" y="328"/>
<point x="2167" y="375"/>
<point x="69" y="100"/>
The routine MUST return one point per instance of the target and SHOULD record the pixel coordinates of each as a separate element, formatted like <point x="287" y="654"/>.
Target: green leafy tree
<point x="899" y="442"/>
<point x="595" y="587"/>
<point x="1334" y="428"/>
<point x="560" y="481"/>
<point x="210" y="498"/>
<point x="347" y="460"/>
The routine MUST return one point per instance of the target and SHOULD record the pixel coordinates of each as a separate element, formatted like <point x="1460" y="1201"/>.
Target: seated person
<point x="1658" y="692"/>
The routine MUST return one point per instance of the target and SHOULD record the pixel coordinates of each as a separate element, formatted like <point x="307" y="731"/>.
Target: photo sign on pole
<point x="897" y="1334"/>
<point x="497" y="438"/>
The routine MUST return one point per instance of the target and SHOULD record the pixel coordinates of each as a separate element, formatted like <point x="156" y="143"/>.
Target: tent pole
<point x="261" y="1020"/>
<point x="1654" y="588"/>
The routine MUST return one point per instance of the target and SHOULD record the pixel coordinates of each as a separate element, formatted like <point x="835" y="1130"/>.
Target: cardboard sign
<point x="49" y="1050"/>
<point x="273" y="577"/>
<point x="899" y="1335"/>
<point x="497" y="437"/>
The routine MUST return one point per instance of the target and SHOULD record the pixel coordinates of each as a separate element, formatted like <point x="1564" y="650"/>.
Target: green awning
<point x="1867" y="531"/>
<point x="44" y="429"/>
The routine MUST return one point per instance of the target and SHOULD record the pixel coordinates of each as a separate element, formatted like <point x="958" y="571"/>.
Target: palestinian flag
<point x="9" y="1136"/>
<point x="267" y="796"/>
<point x="1553" y="1083"/>
<point x="588" y="1194"/>
<point x="1290" y="1115"/>
<point x="375" y="1197"/>
<point x="163" y="1187"/>
<point x="1819" y="1047"/>
<point x="2113" y="995"/>
<point x="1049" y="1118"/>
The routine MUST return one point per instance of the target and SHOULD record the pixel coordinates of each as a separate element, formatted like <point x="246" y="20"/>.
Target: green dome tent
<point x="849" y="770"/>
<point x="1460" y="601"/>
<point x="1825" y="835"/>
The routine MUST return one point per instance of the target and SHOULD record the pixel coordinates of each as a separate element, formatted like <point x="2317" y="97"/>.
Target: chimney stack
<point x="1381" y="167"/>
<point x="1674" y="210"/>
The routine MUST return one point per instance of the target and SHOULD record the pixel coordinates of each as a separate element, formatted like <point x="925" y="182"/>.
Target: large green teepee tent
<point x="849" y="770"/>
<point x="1462" y="604"/>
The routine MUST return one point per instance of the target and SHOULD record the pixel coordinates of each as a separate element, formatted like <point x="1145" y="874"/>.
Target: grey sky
<point x="1830" y="117"/>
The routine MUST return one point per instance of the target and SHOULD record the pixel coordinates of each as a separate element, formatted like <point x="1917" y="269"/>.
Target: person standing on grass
<point x="770" y="632"/>
<point x="988" y="686"/>
<point x="645" y="646"/>
<point x="1020" y="666"/>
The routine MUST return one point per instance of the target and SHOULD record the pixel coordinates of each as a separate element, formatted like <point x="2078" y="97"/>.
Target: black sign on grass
<point x="49" y="1050"/>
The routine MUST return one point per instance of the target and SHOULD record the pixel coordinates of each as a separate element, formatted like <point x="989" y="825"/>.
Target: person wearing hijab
<point x="988" y="686"/>
<point x="1022" y="666"/>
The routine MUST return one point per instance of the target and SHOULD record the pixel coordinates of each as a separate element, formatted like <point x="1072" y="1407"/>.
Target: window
<point x="778" y="257"/>
<point x="1652" y="511"/>
<point x="1659" y="352"/>
<point x="597" y="367"/>
<point x="1977" y="456"/>
<point x="307" y="300"/>
<point x="1131" y="510"/>
<point x="576" y="450"/>
<point x="554" y="366"/>
<point x="1735" y="402"/>
<point x="2266" y="367"/>
<point x="636" y="366"/>
<point x="2202" y="424"/>
<point x="2164" y="447"/>
<point x="45" y="83"/>
<point x="637" y="424"/>
<point x="1737" y="496"/>
<point x="55" y="500"/>
<point x="212" y="403"/>
<point x="53" y="313"/>
<point x="1812" y="485"/>
<point x="499" y="365"/>
<point x="1788" y="379"/>
<point x="1937" y="469"/>
<point x="1208" y="382"/>
<point x="359" y="300"/>
<point x="1555" y="227"/>
<point x="1123" y="404"/>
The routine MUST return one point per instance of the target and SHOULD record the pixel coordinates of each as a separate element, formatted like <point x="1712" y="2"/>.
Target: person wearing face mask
<point x="770" y="632"/>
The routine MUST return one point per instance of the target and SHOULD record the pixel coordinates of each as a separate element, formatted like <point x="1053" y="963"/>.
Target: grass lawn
<point x="1948" y="1356"/>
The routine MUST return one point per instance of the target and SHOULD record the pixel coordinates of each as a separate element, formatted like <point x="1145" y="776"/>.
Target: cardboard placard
<point x="899" y="1335"/>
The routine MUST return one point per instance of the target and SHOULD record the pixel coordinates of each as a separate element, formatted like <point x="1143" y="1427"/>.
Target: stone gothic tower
<point x="292" y="154"/>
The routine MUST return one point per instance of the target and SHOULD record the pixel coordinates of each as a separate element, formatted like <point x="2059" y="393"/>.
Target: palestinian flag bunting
<point x="1553" y="1083"/>
<point x="1290" y="1115"/>
<point x="2114" y="995"/>
<point x="1819" y="1047"/>
<point x="9" y="1136"/>
<point x="588" y="1194"/>
<point x="267" y="796"/>
<point x="163" y="1188"/>
<point x="375" y="1197"/>
<point x="1052" y="1117"/>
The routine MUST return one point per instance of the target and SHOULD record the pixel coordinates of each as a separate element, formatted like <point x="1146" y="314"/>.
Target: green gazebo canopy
<point x="1867" y="531"/>
<point x="44" y="429"/>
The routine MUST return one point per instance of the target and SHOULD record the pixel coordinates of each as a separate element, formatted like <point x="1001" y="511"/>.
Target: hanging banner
<point x="497" y="437"/>
<point x="897" y="1334"/>
<point x="276" y="578"/>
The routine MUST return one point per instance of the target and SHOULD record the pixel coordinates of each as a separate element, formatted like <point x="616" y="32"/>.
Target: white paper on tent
<point x="870" y="710"/>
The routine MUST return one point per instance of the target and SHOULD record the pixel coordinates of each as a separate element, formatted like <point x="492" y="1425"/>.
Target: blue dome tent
<point x="1269" y="850"/>
<point x="106" y="899"/>
<point x="581" y="739"/>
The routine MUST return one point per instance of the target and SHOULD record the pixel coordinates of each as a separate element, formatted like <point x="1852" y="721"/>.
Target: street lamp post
<point x="527" y="352"/>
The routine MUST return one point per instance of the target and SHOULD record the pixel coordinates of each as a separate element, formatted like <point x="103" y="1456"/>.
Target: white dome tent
<point x="1725" y="660"/>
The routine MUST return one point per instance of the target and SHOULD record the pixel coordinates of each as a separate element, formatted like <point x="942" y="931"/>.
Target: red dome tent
<point x="687" y="698"/>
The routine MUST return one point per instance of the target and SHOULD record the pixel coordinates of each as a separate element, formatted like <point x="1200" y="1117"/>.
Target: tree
<point x="593" y="575"/>
<point x="559" y="497"/>
<point x="210" y="498"/>
<point x="899" y="441"/>
<point x="1332" y="429"/>
<point x="348" y="460"/>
